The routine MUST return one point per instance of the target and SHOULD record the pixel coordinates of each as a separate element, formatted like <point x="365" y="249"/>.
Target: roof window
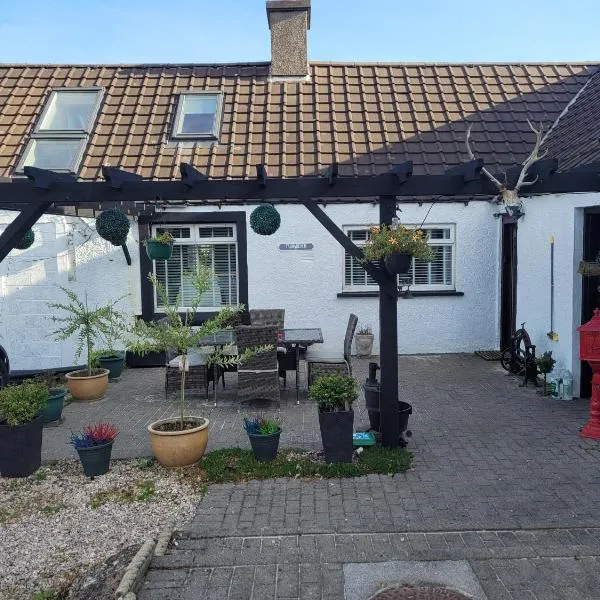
<point x="198" y="116"/>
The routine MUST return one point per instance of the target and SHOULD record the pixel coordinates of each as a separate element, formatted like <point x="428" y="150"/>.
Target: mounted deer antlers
<point x="511" y="196"/>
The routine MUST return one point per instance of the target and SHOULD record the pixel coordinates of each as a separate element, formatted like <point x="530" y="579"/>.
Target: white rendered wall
<point x="67" y="252"/>
<point x="560" y="216"/>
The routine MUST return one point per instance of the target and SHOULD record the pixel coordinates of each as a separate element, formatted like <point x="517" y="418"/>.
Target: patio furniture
<point x="268" y="316"/>
<point x="319" y="365"/>
<point x="197" y="377"/>
<point x="258" y="377"/>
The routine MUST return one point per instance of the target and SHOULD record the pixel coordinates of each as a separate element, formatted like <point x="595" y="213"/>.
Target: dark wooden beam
<point x="25" y="220"/>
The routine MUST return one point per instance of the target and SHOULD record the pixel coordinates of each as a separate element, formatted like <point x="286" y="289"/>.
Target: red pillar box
<point x="589" y="350"/>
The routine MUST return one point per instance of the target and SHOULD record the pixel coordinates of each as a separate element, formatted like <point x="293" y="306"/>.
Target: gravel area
<point x="57" y="523"/>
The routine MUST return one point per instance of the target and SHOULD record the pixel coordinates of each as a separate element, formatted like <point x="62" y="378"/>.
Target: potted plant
<point x="55" y="400"/>
<point x="396" y="245"/>
<point x="264" y="437"/>
<point x="181" y="441"/>
<point x="94" y="446"/>
<point x="363" y="340"/>
<point x="160" y="247"/>
<point x="109" y="357"/>
<point x="335" y="395"/>
<point x="21" y="428"/>
<point x="88" y="325"/>
<point x="545" y="364"/>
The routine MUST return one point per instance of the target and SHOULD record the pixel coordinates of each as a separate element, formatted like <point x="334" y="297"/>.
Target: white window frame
<point x="177" y="134"/>
<point x="451" y="241"/>
<point x="196" y="240"/>
<point x="49" y="135"/>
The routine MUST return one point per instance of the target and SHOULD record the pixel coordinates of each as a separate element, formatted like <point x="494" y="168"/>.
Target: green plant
<point x="89" y="325"/>
<point x="385" y="240"/>
<point x="26" y="241"/>
<point x="114" y="331"/>
<point x="265" y="219"/>
<point x="113" y="226"/>
<point x="162" y="238"/>
<point x="364" y="330"/>
<point x="334" y="392"/>
<point x="258" y="426"/>
<point x="545" y="364"/>
<point x="22" y="403"/>
<point x="45" y="595"/>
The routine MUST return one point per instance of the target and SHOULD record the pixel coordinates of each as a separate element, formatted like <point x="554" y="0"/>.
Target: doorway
<point x="591" y="288"/>
<point x="508" y="293"/>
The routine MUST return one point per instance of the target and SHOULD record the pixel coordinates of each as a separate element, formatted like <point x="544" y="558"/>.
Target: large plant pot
<point x="337" y="428"/>
<point x="158" y="251"/>
<point x="153" y="359"/>
<point x="398" y="263"/>
<point x="114" y="363"/>
<point x="404" y="411"/>
<point x="54" y="405"/>
<point x="96" y="459"/>
<point x="179" y="448"/>
<point x="21" y="448"/>
<point x="85" y="387"/>
<point x="265" y="447"/>
<point x="363" y="343"/>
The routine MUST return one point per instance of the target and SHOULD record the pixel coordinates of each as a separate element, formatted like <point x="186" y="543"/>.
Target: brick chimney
<point x="289" y="22"/>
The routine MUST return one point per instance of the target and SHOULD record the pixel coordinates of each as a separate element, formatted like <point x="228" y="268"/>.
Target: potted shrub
<point x="94" y="446"/>
<point x="335" y="395"/>
<point x="55" y="400"/>
<point x="181" y="441"/>
<point x="545" y="364"/>
<point x="21" y="428"/>
<point x="264" y="437"/>
<point x="88" y="325"/>
<point x="363" y="340"/>
<point x="109" y="357"/>
<point x="396" y="245"/>
<point x="160" y="247"/>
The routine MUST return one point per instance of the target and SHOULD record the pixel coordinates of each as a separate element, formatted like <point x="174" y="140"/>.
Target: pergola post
<point x="388" y="342"/>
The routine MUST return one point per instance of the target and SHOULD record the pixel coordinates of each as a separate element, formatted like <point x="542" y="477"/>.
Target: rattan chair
<point x="258" y="377"/>
<point x="197" y="378"/>
<point x="319" y="365"/>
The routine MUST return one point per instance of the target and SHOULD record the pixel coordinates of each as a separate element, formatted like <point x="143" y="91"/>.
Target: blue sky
<point x="113" y="31"/>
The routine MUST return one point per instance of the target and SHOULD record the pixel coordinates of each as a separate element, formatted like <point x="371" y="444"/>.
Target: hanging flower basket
<point x="26" y="241"/>
<point x="265" y="220"/>
<point x="589" y="268"/>
<point x="160" y="247"/>
<point x="113" y="226"/>
<point x="398" y="263"/>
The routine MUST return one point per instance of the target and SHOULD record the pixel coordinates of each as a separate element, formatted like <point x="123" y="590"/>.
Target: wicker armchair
<point x="257" y="377"/>
<point x="319" y="365"/>
<point x="197" y="378"/>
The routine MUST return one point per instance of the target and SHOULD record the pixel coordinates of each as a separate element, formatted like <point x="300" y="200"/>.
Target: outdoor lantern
<point x="589" y="350"/>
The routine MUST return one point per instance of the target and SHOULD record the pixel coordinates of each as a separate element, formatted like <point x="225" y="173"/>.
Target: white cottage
<point x="296" y="118"/>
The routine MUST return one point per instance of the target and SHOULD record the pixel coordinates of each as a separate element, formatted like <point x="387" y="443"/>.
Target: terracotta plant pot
<point x="363" y="343"/>
<point x="179" y="448"/>
<point x="85" y="387"/>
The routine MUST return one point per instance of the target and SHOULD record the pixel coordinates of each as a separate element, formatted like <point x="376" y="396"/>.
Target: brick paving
<point x="501" y="480"/>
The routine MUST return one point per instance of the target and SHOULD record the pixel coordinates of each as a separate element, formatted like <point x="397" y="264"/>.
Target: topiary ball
<point x="113" y="225"/>
<point x="265" y="220"/>
<point x="26" y="241"/>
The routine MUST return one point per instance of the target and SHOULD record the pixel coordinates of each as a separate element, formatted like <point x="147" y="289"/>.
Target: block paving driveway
<point x="501" y="486"/>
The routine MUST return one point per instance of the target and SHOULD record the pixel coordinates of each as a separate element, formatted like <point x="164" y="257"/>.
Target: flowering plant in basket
<point x="386" y="240"/>
<point x="94" y="435"/>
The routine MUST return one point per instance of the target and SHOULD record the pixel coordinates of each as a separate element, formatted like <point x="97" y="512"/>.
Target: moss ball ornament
<point x="265" y="220"/>
<point x="113" y="225"/>
<point x="26" y="241"/>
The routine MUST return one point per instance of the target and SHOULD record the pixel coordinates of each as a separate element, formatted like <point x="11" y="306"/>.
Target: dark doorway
<point x="508" y="295"/>
<point x="591" y="288"/>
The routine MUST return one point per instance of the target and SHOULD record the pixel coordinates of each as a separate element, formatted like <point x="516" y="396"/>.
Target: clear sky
<point x="130" y="31"/>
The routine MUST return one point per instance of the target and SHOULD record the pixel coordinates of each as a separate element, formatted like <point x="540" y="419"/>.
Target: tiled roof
<point x="575" y="139"/>
<point x="366" y="117"/>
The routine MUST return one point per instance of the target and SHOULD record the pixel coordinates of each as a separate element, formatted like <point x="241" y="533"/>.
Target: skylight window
<point x="198" y="116"/>
<point x="61" y="134"/>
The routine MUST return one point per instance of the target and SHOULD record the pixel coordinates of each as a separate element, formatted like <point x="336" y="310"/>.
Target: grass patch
<point x="45" y="595"/>
<point x="140" y="492"/>
<point x="52" y="509"/>
<point x="235" y="464"/>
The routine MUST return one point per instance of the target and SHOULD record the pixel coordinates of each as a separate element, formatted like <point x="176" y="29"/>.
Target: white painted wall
<point x="306" y="284"/>
<point x="68" y="252"/>
<point x="560" y="216"/>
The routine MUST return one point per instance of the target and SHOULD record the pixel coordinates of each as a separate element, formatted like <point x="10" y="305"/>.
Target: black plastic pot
<point x="337" y="428"/>
<point x="21" y="448"/>
<point x="96" y="459"/>
<point x="114" y="363"/>
<point x="152" y="359"/>
<point x="265" y="446"/>
<point x="398" y="263"/>
<point x="404" y="411"/>
<point x="54" y="405"/>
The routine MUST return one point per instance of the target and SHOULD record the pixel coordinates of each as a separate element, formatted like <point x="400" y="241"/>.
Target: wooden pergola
<point x="46" y="191"/>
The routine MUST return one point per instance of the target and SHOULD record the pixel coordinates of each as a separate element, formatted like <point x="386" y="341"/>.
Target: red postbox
<point x="589" y="350"/>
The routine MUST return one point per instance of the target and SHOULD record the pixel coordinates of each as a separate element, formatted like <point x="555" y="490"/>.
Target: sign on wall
<point x="296" y="246"/>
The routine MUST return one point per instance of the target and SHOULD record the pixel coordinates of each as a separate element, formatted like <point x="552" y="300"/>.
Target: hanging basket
<point x="113" y="226"/>
<point x="158" y="251"/>
<point x="589" y="268"/>
<point x="398" y="263"/>
<point x="26" y="241"/>
<point x="265" y="220"/>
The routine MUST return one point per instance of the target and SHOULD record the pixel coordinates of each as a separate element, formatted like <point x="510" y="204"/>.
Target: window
<point x="198" y="116"/>
<point x="214" y="246"/>
<point x="435" y="275"/>
<point x="62" y="131"/>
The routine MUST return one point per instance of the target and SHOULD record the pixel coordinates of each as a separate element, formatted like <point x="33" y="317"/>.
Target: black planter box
<point x="21" y="448"/>
<point x="337" y="428"/>
<point x="152" y="359"/>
